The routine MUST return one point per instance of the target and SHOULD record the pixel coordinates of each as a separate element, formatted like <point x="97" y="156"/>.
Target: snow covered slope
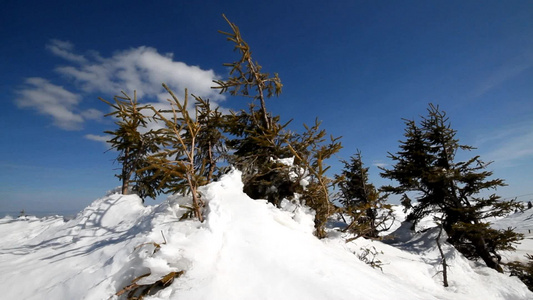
<point x="244" y="250"/>
<point x="521" y="222"/>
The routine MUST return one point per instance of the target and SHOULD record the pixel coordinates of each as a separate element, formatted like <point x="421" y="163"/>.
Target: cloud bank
<point x="142" y="69"/>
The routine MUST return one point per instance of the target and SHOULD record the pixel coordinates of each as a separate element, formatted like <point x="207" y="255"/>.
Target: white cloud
<point x="379" y="164"/>
<point x="98" y="138"/>
<point x="64" y="49"/>
<point x="92" y="114"/>
<point x="51" y="100"/>
<point x="142" y="69"/>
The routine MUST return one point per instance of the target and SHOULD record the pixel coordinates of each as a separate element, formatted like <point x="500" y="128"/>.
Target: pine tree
<point x="210" y="139"/>
<point x="134" y="143"/>
<point x="258" y="141"/>
<point x="426" y="165"/>
<point x="246" y="76"/>
<point x="368" y="210"/>
<point x="255" y="137"/>
<point x="311" y="150"/>
<point x="186" y="161"/>
<point x="256" y="153"/>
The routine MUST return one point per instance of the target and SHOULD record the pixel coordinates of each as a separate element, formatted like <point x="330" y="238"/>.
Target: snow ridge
<point x="245" y="249"/>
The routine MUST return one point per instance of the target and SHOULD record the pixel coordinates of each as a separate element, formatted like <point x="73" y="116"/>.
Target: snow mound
<point x="467" y="279"/>
<point x="251" y="250"/>
<point x="245" y="249"/>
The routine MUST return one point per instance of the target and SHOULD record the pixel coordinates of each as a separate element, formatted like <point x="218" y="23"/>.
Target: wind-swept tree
<point x="246" y="76"/>
<point x="211" y="147"/>
<point x="256" y="138"/>
<point x="311" y="150"/>
<point x="259" y="141"/>
<point x="256" y="152"/>
<point x="426" y="165"/>
<point x="367" y="209"/>
<point x="134" y="142"/>
<point x="188" y="160"/>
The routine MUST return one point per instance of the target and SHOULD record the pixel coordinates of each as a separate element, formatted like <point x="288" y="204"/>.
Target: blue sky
<point x="359" y="66"/>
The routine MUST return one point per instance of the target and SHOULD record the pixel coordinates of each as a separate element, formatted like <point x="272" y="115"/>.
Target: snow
<point x="245" y="249"/>
<point x="521" y="222"/>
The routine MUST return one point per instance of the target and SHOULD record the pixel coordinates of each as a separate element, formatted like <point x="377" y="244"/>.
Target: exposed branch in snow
<point x="443" y="258"/>
<point x="139" y="291"/>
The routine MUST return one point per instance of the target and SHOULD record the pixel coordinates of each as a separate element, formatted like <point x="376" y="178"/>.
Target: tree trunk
<point x="373" y="229"/>
<point x="125" y="173"/>
<point x="197" y="205"/>
<point x="125" y="184"/>
<point x="444" y="264"/>
<point x="212" y="164"/>
<point x="483" y="252"/>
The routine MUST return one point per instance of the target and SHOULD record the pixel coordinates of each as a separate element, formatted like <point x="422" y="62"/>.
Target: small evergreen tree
<point x="426" y="165"/>
<point x="210" y="140"/>
<point x="362" y="201"/>
<point x="256" y="153"/>
<point x="186" y="163"/>
<point x="134" y="143"/>
<point x="256" y="138"/>
<point x="311" y="150"/>
<point x="260" y="141"/>
<point x="246" y="76"/>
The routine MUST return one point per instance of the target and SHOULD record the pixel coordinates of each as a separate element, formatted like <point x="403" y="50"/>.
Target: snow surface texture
<point x="244" y="250"/>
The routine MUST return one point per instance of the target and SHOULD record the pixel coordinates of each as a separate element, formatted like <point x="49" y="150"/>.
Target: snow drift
<point x="244" y="250"/>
